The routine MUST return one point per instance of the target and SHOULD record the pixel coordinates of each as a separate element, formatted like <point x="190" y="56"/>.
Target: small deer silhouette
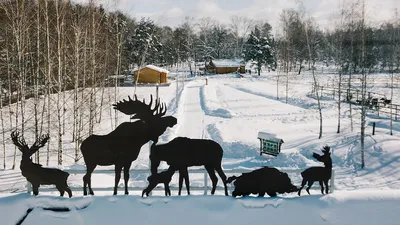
<point x="318" y="173"/>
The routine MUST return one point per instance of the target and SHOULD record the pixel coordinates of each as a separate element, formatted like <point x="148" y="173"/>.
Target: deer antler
<point x="326" y="149"/>
<point x="140" y="109"/>
<point x="40" y="142"/>
<point x="18" y="141"/>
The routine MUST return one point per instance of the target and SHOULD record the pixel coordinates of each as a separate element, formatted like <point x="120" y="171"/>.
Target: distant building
<point x="220" y="66"/>
<point x="151" y="74"/>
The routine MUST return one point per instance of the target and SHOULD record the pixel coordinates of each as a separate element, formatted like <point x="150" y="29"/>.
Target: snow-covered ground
<point x="341" y="208"/>
<point x="231" y="111"/>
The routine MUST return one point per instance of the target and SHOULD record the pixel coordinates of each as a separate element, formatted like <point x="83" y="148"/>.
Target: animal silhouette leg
<point x="322" y="186"/>
<point x="167" y="190"/>
<point x="223" y="177"/>
<point x="326" y="186"/>
<point x="310" y="183"/>
<point x="303" y="183"/>
<point x="186" y="178"/>
<point x="181" y="175"/>
<point x="213" y="178"/>
<point x="126" y="177"/>
<point x="60" y="188"/>
<point x="68" y="190"/>
<point x="35" y="189"/>
<point x="87" y="179"/>
<point x="118" y="170"/>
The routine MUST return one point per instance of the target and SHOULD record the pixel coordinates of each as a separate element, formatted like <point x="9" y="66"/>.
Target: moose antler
<point x="18" y="141"/>
<point x="140" y="109"/>
<point x="40" y="142"/>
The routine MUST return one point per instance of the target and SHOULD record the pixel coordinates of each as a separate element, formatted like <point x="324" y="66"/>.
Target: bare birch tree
<point x="2" y="125"/>
<point x="363" y="85"/>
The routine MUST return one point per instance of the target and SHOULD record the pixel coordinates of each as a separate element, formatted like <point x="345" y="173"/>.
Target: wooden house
<point x="221" y="66"/>
<point x="151" y="74"/>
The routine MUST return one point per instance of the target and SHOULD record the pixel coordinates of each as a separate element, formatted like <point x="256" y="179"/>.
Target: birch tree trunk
<point x="60" y="22"/>
<point x="49" y="83"/>
<point x="92" y="101"/>
<point x="37" y="75"/>
<point x="314" y="78"/>
<point x="364" y="87"/>
<point x="82" y="111"/>
<point x="2" y="125"/>
<point x="75" y="135"/>
<point x="395" y="41"/>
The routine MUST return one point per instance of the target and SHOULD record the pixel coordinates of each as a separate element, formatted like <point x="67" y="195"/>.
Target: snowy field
<point x="231" y="111"/>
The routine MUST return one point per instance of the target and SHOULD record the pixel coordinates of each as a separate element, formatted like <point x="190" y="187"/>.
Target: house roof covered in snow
<point x="156" y="68"/>
<point x="227" y="62"/>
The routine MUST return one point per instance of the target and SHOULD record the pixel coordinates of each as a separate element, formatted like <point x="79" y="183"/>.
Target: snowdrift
<point x="369" y="207"/>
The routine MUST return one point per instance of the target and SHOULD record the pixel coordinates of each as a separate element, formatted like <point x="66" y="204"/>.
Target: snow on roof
<point x="268" y="136"/>
<point x="227" y="63"/>
<point x="156" y="68"/>
<point x="159" y="69"/>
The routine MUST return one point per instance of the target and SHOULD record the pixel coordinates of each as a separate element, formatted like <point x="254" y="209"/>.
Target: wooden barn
<point x="220" y="66"/>
<point x="151" y="74"/>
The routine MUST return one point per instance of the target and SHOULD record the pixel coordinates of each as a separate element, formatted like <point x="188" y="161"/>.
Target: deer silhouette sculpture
<point x="122" y="146"/>
<point x="35" y="173"/>
<point x="318" y="173"/>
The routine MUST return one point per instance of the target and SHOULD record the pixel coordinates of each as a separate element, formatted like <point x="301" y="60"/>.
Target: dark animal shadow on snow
<point x="54" y="209"/>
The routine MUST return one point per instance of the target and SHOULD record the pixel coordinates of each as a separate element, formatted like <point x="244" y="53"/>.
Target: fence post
<point x="28" y="187"/>
<point x="357" y="94"/>
<point x="373" y="128"/>
<point x="322" y="89"/>
<point x="150" y="143"/>
<point x="205" y="182"/>
<point x="332" y="182"/>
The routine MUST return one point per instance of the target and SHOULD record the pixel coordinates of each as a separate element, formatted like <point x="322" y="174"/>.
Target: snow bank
<point x="340" y="208"/>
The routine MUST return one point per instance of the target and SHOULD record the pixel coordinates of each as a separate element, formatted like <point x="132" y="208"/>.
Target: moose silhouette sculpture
<point x="318" y="173"/>
<point x="35" y="173"/>
<point x="183" y="152"/>
<point x="122" y="146"/>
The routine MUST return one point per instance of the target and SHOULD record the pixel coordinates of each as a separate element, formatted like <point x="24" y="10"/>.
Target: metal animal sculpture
<point x="318" y="173"/>
<point x="122" y="146"/>
<point x="35" y="173"/>
<point x="183" y="152"/>
<point x="266" y="180"/>
<point x="160" y="178"/>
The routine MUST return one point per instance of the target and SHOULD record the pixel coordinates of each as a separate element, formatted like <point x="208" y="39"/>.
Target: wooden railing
<point x="379" y="107"/>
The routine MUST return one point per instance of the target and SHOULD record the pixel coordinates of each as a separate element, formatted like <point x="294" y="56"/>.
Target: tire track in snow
<point x="191" y="111"/>
<point x="301" y="103"/>
<point x="223" y="113"/>
<point x="177" y="112"/>
<point x="222" y="96"/>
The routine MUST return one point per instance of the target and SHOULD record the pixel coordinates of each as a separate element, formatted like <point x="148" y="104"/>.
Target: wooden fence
<point x="354" y="97"/>
<point x="146" y="172"/>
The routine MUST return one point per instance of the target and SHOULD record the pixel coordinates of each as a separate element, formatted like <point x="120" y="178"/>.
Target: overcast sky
<point x="173" y="12"/>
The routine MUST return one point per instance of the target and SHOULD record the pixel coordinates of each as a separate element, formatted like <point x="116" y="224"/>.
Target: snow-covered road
<point x="192" y="125"/>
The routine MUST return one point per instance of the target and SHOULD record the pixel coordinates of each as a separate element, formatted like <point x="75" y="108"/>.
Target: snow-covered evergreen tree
<point x="258" y="49"/>
<point x="145" y="44"/>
